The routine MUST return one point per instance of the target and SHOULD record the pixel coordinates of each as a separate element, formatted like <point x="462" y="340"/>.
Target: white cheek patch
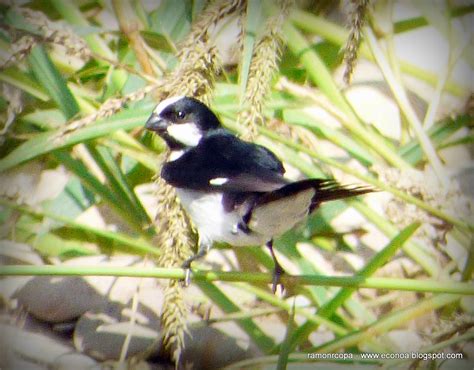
<point x="185" y="133"/>
<point x="163" y="104"/>
<point x="218" y="181"/>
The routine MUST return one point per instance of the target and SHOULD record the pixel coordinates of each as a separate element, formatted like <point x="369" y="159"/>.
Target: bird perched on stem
<point x="234" y="191"/>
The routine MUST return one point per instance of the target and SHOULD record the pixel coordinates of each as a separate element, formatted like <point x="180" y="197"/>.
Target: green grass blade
<point x="381" y="258"/>
<point x="405" y="106"/>
<point x="285" y="347"/>
<point x="338" y="35"/>
<point x="389" y="322"/>
<point x="321" y="76"/>
<point x="406" y="25"/>
<point x="143" y="157"/>
<point x="93" y="184"/>
<point x="441" y="131"/>
<point x="20" y="80"/>
<point x="119" y="184"/>
<point x="51" y="80"/>
<point x="82" y="172"/>
<point x="119" y="239"/>
<point x="46" y="142"/>
<point x="300" y="118"/>
<point x="330" y="307"/>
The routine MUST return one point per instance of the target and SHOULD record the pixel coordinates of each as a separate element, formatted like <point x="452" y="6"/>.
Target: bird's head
<point x="182" y="121"/>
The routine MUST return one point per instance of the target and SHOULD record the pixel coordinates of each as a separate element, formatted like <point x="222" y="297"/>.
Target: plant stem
<point x="404" y="104"/>
<point x="338" y="35"/>
<point x="130" y="26"/>
<point x="320" y="75"/>
<point x="388" y="322"/>
<point x="315" y="319"/>
<point x="413" y="285"/>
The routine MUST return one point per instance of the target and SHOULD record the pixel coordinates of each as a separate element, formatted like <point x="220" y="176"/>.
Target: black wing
<point x="223" y="161"/>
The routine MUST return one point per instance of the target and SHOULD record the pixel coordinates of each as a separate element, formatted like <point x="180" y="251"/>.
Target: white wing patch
<point x="163" y="104"/>
<point x="186" y="133"/>
<point x="275" y="218"/>
<point x="218" y="181"/>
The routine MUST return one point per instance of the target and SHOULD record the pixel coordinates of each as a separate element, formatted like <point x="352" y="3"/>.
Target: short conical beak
<point x="156" y="123"/>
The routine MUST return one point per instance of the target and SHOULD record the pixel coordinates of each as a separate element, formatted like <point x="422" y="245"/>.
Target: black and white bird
<point x="234" y="191"/>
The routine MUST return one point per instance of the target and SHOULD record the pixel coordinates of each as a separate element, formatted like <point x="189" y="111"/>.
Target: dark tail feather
<point x="327" y="190"/>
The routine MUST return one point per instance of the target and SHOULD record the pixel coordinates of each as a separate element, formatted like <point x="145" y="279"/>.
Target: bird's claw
<point x="186" y="266"/>
<point x="276" y="277"/>
<point x="187" y="276"/>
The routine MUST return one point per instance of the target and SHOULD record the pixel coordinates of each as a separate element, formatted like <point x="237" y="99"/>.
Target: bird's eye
<point x="180" y="114"/>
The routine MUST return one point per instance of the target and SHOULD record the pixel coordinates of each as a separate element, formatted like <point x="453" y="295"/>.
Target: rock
<point x="101" y="332"/>
<point x="58" y="299"/>
<point x="212" y="349"/>
<point x="21" y="349"/>
<point x="70" y="361"/>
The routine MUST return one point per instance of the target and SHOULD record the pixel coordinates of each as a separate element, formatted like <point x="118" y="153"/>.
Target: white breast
<point x="213" y="222"/>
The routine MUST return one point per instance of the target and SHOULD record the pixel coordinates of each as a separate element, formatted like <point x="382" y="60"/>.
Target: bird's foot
<point x="278" y="271"/>
<point x="186" y="266"/>
<point x="187" y="277"/>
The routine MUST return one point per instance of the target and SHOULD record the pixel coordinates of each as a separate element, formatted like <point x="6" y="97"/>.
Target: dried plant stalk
<point x="214" y="12"/>
<point x="264" y="64"/>
<point x="358" y="16"/>
<point x="108" y="108"/>
<point x="199" y="63"/>
<point x="49" y="32"/>
<point x="174" y="240"/>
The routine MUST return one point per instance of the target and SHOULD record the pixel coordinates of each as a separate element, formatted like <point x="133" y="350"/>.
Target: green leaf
<point x="46" y="119"/>
<point x="87" y="178"/>
<point x="20" y="80"/>
<point x="118" y="184"/>
<point x="17" y="21"/>
<point x="109" y="195"/>
<point x="377" y="261"/>
<point x="172" y="19"/>
<point x="72" y="201"/>
<point x="119" y="240"/>
<point x="46" y="142"/>
<point x="285" y="347"/>
<point x="52" y="245"/>
<point x="51" y="80"/>
<point x="438" y="134"/>
<point x="329" y="308"/>
<point x="436" y="13"/>
<point x="299" y="117"/>
<point x="157" y="41"/>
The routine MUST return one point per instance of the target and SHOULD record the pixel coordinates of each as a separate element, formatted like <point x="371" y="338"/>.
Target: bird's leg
<point x="202" y="251"/>
<point x="277" y="269"/>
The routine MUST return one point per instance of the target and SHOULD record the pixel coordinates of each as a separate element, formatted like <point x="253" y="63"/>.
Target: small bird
<point x="234" y="191"/>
